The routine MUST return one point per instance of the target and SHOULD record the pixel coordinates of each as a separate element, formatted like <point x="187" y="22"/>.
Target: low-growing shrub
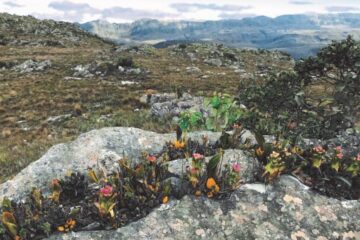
<point x="292" y="107"/>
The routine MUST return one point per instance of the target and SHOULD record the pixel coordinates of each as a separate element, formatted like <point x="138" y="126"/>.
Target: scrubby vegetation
<point x="287" y="107"/>
<point x="319" y="98"/>
<point x="296" y="103"/>
<point x="110" y="200"/>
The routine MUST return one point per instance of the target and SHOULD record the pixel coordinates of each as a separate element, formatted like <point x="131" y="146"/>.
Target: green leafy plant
<point x="354" y="167"/>
<point x="191" y="120"/>
<point x="223" y="112"/>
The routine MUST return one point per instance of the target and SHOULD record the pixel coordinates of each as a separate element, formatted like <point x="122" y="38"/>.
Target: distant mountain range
<point x="299" y="35"/>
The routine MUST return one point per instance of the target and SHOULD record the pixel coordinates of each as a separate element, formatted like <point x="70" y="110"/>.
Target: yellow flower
<point x="165" y="199"/>
<point x="210" y="183"/>
<point x="287" y="153"/>
<point x="152" y="187"/>
<point x="216" y="189"/>
<point x="61" y="229"/>
<point x="259" y="152"/>
<point x="71" y="223"/>
<point x="274" y="154"/>
<point x="194" y="181"/>
<point x="198" y="193"/>
<point x="178" y="144"/>
<point x="296" y="150"/>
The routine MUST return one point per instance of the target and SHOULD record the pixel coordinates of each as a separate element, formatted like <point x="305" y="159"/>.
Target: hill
<point x="300" y="35"/>
<point x="57" y="81"/>
<point x="27" y="30"/>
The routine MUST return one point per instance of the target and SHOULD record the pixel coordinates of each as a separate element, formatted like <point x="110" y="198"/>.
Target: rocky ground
<point x="57" y="81"/>
<point x="285" y="209"/>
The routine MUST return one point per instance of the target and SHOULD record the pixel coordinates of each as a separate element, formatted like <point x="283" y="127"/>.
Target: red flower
<point x="319" y="149"/>
<point x="358" y="157"/>
<point x="193" y="171"/>
<point x="197" y="156"/>
<point x="106" y="191"/>
<point x="151" y="159"/>
<point x="338" y="149"/>
<point x="340" y="155"/>
<point x="236" y="167"/>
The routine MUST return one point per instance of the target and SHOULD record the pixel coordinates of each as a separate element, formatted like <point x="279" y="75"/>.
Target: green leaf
<point x="36" y="197"/>
<point x="317" y="162"/>
<point x="215" y="102"/>
<point x="9" y="222"/>
<point x="213" y="164"/>
<point x="92" y="175"/>
<point x="326" y="101"/>
<point x="340" y="88"/>
<point x="335" y="165"/>
<point x="196" y="118"/>
<point x="6" y="205"/>
<point x="260" y="139"/>
<point x="209" y="124"/>
<point x="46" y="227"/>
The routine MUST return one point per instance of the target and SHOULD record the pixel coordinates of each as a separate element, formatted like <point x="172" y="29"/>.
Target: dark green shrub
<point x="125" y="61"/>
<point x="289" y="110"/>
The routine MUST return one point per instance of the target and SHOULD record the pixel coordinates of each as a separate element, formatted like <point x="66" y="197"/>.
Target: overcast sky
<point x="130" y="10"/>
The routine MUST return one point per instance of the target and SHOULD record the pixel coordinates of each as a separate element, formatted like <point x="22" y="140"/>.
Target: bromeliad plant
<point x="183" y="146"/>
<point x="354" y="167"/>
<point x="77" y="202"/>
<point x="106" y="202"/>
<point x="210" y="177"/>
<point x="312" y="164"/>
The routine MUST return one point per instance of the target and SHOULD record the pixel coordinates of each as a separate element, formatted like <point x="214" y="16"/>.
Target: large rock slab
<point x="168" y="105"/>
<point x="96" y="149"/>
<point x="286" y="210"/>
<point x="250" y="167"/>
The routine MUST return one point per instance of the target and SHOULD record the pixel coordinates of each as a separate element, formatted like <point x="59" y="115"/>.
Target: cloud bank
<point x="342" y="9"/>
<point x="189" y="7"/>
<point x="77" y="11"/>
<point x="12" y="4"/>
<point x="300" y="2"/>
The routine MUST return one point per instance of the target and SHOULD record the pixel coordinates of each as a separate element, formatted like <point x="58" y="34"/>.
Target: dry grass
<point x="28" y="100"/>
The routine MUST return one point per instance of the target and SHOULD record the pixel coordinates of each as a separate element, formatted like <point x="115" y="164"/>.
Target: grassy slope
<point x="27" y="100"/>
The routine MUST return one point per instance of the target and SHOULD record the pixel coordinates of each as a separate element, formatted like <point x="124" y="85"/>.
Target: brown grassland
<point x="28" y="100"/>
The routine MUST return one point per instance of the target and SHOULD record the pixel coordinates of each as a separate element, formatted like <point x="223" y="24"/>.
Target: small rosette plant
<point x="354" y="167"/>
<point x="318" y="156"/>
<point x="337" y="158"/>
<point x="106" y="201"/>
<point x="196" y="170"/>
<point x="233" y="177"/>
<point x="274" y="167"/>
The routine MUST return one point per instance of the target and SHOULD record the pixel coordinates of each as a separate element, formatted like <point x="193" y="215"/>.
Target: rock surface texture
<point x="285" y="209"/>
<point x="97" y="149"/>
<point x="32" y="66"/>
<point x="168" y="105"/>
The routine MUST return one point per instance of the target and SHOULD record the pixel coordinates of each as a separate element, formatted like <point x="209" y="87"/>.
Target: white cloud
<point x="125" y="10"/>
<point x="12" y="4"/>
<point x="342" y="9"/>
